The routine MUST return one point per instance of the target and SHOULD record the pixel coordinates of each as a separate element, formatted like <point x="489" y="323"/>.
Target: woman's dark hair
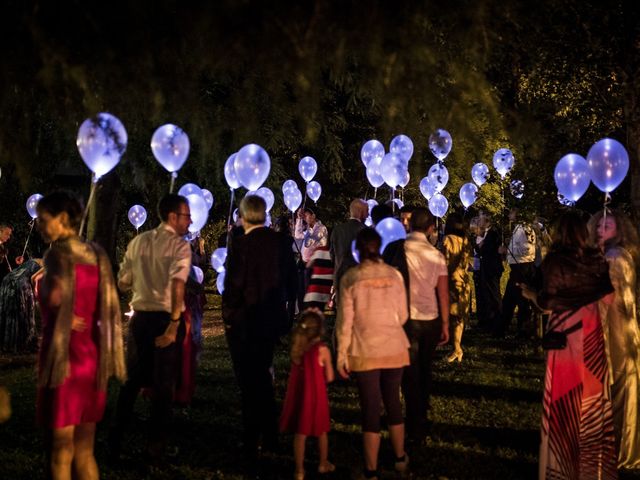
<point x="62" y="201"/>
<point x="570" y="232"/>
<point x="368" y="244"/>
<point x="282" y="225"/>
<point x="455" y="225"/>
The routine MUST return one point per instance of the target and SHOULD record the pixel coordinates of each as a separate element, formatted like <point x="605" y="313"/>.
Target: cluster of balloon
<point x="503" y="161"/>
<point x="170" y="146"/>
<point x="101" y="141"/>
<point x="438" y="205"/>
<point x="137" y="216"/>
<point x="480" y="173"/>
<point x="391" y="168"/>
<point x="292" y="195"/>
<point x="197" y="206"/>
<point x="390" y="230"/>
<point x="32" y="206"/>
<point x="608" y="162"/>
<point x="517" y="188"/>
<point x="468" y="194"/>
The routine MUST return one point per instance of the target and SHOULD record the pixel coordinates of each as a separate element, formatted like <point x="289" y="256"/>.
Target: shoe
<point x="455" y="356"/>
<point x="298" y="475"/>
<point x="326" y="467"/>
<point x="403" y="465"/>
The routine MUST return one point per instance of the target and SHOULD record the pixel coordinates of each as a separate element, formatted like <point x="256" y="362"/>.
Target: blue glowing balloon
<point x="170" y="146"/>
<point x="480" y="174"/>
<point x="373" y="172"/>
<point x="218" y="257"/>
<point x="390" y="229"/>
<point x="197" y="273"/>
<point x="438" y="205"/>
<point x="392" y="169"/>
<point x="398" y="202"/>
<point x="427" y="188"/>
<point x="307" y="168"/>
<point x="370" y="150"/>
<point x="440" y="144"/>
<point x="267" y="196"/>
<point x="314" y="190"/>
<point x="572" y="176"/>
<point x="402" y="146"/>
<point x="199" y="212"/>
<point x="289" y="185"/>
<point x="439" y="176"/>
<point x="503" y="161"/>
<point x="354" y="251"/>
<point x="405" y="180"/>
<point x="252" y="166"/>
<point x="208" y="198"/>
<point x="468" y="194"/>
<point x="220" y="283"/>
<point x="137" y="216"/>
<point x="293" y="199"/>
<point x="369" y="221"/>
<point x="517" y="188"/>
<point x="230" y="172"/>
<point x="608" y="162"/>
<point x="101" y="142"/>
<point x="190" y="189"/>
<point x="371" y="203"/>
<point x="235" y="215"/>
<point x="32" y="204"/>
<point x="565" y="201"/>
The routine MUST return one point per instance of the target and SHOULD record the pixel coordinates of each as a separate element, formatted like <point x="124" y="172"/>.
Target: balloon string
<point x="607" y="201"/>
<point x="32" y="223"/>
<point x="174" y="175"/>
<point x="92" y="192"/>
<point x="304" y="202"/>
<point x="503" y="209"/>
<point x="230" y="208"/>
<point x="375" y="192"/>
<point x="8" y="264"/>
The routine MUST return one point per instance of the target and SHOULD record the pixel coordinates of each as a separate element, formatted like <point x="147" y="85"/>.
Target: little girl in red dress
<point x="306" y="404"/>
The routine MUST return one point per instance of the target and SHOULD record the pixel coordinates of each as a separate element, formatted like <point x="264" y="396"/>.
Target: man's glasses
<point x="184" y="215"/>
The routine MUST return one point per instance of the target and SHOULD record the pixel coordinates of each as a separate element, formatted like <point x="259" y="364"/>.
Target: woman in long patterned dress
<point x="577" y="439"/>
<point x="81" y="339"/>
<point x="618" y="240"/>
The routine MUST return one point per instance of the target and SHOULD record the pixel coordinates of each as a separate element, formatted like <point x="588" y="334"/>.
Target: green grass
<point x="485" y="414"/>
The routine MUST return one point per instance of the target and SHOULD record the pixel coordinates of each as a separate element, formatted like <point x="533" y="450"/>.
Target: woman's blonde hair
<point x="307" y="332"/>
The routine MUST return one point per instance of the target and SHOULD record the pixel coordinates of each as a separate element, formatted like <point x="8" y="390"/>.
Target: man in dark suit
<point x="260" y="280"/>
<point x="491" y="269"/>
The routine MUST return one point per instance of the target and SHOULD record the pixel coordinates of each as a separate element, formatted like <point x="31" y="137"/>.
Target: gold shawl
<point x="59" y="263"/>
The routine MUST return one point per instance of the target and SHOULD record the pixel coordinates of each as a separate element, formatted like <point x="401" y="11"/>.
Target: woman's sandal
<point x="326" y="467"/>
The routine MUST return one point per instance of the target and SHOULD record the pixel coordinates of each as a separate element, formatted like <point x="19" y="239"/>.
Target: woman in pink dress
<point x="81" y="340"/>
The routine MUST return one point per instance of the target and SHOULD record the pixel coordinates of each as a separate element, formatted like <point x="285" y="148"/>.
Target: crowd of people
<point x="393" y="308"/>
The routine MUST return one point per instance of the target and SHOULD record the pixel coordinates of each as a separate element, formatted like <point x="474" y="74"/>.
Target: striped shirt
<point x="319" y="289"/>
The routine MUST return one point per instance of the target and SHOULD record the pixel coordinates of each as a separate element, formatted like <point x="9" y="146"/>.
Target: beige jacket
<point x="372" y="310"/>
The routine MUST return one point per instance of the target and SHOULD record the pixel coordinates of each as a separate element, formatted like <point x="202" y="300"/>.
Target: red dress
<point x="306" y="405"/>
<point x="78" y="399"/>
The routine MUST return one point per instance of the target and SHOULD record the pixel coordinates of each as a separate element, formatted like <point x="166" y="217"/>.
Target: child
<point x="306" y="405"/>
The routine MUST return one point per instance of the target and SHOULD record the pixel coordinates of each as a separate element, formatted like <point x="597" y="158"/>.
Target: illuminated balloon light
<point x="314" y="190"/>
<point x="267" y="195"/>
<point x="293" y="199"/>
<point x="101" y="141"/>
<point x="480" y="173"/>
<point x="402" y="146"/>
<point x="438" y="176"/>
<point x="565" y="201"/>
<point x="199" y="212"/>
<point x="32" y="205"/>
<point x="218" y="257"/>
<point x="354" y="251"/>
<point x="208" y="198"/>
<point x="252" y="166"/>
<point x="198" y="273"/>
<point x="368" y="221"/>
<point x="220" y="283"/>
<point x="137" y="216"/>
<point x="517" y="188"/>
<point x="572" y="176"/>
<point x="405" y="181"/>
<point x="308" y="168"/>
<point x="373" y="172"/>
<point x="190" y="189"/>
<point x="390" y="229"/>
<point x="503" y="161"/>
<point x="427" y="189"/>
<point x="370" y="150"/>
<point x="392" y="169"/>
<point x="371" y="203"/>
<point x="289" y="185"/>
<point x="608" y="163"/>
<point x="235" y="215"/>
<point x="438" y="205"/>
<point x="230" y="172"/>
<point x="468" y="194"/>
<point x="170" y="146"/>
<point x="440" y="144"/>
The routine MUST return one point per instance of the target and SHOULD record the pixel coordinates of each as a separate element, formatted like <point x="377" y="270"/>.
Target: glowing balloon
<point x="314" y="190"/>
<point x="438" y="205"/>
<point x="289" y="185"/>
<point x="398" y="202"/>
<point x="517" y="188"/>
<point x="267" y="196"/>
<point x="170" y="146"/>
<point x="293" y="199"/>
<point x="427" y="188"/>
<point x="392" y="169"/>
<point x="235" y="215"/>
<point x="405" y="181"/>
<point x="440" y="144"/>
<point x="370" y="150"/>
<point x="608" y="164"/>
<point x="307" y="168"/>
<point x="252" y="166"/>
<point x="373" y="172"/>
<point x="565" y="201"/>
<point x="439" y="176"/>
<point x="503" y="161"/>
<point x="32" y="204"/>
<point x="199" y="212"/>
<point x="371" y="203"/>
<point x="101" y="142"/>
<point x="199" y="274"/>
<point x="369" y="221"/>
<point x="390" y="229"/>
<point x="402" y="146"/>
<point x="190" y="189"/>
<point x="208" y="198"/>
<point x="480" y="174"/>
<point x="220" y="283"/>
<point x="572" y="176"/>
<point x="468" y="194"/>
<point x="354" y="251"/>
<point x="230" y="172"/>
<point x="137" y="216"/>
<point x="218" y="257"/>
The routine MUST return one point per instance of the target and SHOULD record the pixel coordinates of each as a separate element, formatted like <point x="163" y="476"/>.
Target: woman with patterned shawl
<point x="81" y="338"/>
<point x="618" y="240"/>
<point x="577" y="439"/>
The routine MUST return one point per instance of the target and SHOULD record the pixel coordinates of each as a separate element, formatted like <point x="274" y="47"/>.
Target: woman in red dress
<point x="81" y="340"/>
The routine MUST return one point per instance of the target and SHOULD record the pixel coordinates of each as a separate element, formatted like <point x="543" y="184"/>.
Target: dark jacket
<point x="395" y="256"/>
<point x="340" y="247"/>
<point x="490" y="259"/>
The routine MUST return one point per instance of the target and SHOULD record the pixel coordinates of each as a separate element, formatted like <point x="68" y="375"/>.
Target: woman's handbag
<point x="557" y="340"/>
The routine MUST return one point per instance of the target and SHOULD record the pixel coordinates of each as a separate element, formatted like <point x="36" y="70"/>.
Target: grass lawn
<point x="485" y="415"/>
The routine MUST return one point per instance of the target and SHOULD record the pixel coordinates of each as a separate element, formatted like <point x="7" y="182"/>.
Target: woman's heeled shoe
<point x="455" y="356"/>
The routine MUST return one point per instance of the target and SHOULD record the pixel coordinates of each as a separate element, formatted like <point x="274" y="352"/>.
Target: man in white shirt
<point x="155" y="268"/>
